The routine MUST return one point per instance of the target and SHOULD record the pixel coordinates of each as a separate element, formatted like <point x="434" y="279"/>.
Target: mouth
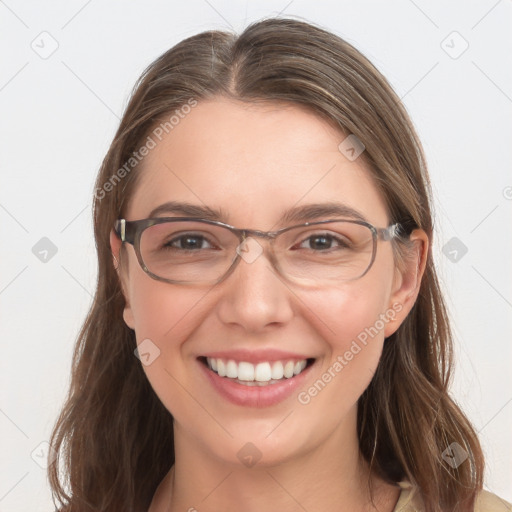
<point x="257" y="384"/>
<point x="261" y="374"/>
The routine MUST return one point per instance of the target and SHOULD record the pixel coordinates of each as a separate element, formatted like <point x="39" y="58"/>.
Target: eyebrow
<point x="296" y="214"/>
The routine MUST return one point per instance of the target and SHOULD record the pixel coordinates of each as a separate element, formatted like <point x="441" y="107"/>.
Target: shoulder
<point x="489" y="502"/>
<point x="410" y="501"/>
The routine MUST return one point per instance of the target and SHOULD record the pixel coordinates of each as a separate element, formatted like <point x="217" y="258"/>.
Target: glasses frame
<point x="131" y="231"/>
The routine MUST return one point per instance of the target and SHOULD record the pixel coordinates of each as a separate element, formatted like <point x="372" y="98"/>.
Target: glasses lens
<point x="188" y="251"/>
<point x="200" y="252"/>
<point x="328" y="251"/>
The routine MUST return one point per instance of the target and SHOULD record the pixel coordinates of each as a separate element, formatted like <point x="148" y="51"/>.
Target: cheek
<point x="347" y="313"/>
<point x="351" y="321"/>
<point x="165" y="317"/>
<point x="161" y="311"/>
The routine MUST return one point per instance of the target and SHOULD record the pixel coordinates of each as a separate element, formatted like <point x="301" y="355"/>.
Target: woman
<point x="268" y="331"/>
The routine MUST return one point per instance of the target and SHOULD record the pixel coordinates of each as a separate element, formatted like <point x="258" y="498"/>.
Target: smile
<point x="261" y="383"/>
<point x="260" y="374"/>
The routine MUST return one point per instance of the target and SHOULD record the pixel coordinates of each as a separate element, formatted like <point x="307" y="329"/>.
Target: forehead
<point x="252" y="162"/>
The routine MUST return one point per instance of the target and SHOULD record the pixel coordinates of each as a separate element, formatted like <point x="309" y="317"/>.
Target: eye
<point x="323" y="242"/>
<point x="188" y="241"/>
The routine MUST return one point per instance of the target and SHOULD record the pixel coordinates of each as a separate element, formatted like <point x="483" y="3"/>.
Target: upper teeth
<point x="261" y="372"/>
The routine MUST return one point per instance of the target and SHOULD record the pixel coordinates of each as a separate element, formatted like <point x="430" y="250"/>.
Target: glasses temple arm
<point x="120" y="229"/>
<point x="390" y="232"/>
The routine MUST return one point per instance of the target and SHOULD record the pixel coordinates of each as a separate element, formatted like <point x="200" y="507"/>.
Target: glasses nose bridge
<point x="249" y="252"/>
<point x="269" y="236"/>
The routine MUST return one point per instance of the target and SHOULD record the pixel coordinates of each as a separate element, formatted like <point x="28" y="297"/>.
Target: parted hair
<point x="114" y="438"/>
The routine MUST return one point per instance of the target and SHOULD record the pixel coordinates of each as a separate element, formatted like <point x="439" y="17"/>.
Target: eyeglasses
<point x="182" y="250"/>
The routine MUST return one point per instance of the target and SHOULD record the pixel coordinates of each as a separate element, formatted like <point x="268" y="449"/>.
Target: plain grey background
<point x="65" y="75"/>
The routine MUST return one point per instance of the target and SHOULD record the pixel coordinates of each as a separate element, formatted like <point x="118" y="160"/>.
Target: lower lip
<point x="255" y="396"/>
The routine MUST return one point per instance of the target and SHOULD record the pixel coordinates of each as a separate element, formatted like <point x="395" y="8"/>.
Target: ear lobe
<point x="408" y="282"/>
<point x="128" y="316"/>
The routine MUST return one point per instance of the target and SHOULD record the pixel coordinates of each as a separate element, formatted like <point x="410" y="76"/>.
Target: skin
<point x="254" y="162"/>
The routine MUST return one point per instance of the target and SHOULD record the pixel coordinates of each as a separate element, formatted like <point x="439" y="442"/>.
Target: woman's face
<point x="253" y="164"/>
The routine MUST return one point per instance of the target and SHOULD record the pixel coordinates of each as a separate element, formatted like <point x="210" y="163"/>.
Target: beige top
<point x="410" y="501"/>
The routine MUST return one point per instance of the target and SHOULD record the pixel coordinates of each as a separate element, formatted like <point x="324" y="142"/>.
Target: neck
<point x="333" y="476"/>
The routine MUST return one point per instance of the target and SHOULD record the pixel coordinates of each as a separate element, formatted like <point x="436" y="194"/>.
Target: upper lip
<point x="256" y="356"/>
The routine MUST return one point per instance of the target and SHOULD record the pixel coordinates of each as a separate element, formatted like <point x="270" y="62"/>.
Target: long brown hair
<point x="114" y="437"/>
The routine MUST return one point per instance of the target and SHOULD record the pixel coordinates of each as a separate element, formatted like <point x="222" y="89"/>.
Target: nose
<point x="254" y="297"/>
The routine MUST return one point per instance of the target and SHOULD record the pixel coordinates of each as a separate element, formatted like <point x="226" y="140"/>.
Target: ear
<point x="115" y="247"/>
<point x="407" y="282"/>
